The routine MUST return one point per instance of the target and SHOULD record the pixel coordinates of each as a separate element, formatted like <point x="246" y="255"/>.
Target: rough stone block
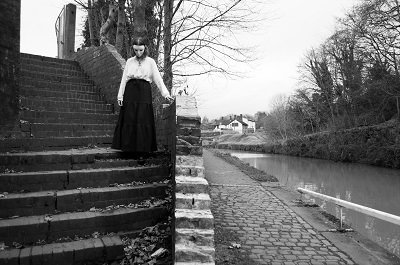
<point x="195" y="132"/>
<point x="193" y="201"/>
<point x="188" y="121"/>
<point x="190" y="160"/>
<point x="189" y="150"/>
<point x="192" y="140"/>
<point x="193" y="237"/>
<point x="186" y="184"/>
<point x="194" y="255"/>
<point x="194" y="171"/>
<point x="186" y="106"/>
<point x="194" y="219"/>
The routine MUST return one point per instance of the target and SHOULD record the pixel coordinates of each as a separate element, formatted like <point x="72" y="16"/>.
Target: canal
<point x="374" y="187"/>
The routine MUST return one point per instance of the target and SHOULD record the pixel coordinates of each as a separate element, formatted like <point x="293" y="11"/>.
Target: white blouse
<point x="146" y="70"/>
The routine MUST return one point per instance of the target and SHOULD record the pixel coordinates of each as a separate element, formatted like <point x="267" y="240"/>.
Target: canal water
<point x="374" y="187"/>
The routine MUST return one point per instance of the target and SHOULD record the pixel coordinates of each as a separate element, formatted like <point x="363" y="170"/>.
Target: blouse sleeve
<point x="156" y="77"/>
<point x="123" y="82"/>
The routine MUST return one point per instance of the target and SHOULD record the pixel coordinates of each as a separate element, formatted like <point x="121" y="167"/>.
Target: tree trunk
<point x="139" y="18"/>
<point x="168" y="11"/>
<point x="119" y="40"/>
<point x="105" y="28"/>
<point x="91" y="24"/>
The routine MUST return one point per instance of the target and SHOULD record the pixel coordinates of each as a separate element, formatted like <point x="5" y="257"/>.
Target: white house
<point x="238" y="124"/>
<point x="251" y="125"/>
<point x="221" y="125"/>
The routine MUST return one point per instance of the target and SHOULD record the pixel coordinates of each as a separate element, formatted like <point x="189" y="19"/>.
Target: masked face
<point x="139" y="50"/>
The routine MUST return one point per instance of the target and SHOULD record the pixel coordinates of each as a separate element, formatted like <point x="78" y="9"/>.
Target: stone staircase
<point x="61" y="108"/>
<point x="65" y="196"/>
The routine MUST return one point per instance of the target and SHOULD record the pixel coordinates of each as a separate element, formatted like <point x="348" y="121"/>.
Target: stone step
<point x="94" y="250"/>
<point x="45" y="130"/>
<point x="29" y="230"/>
<point x="194" y="219"/>
<point x="52" y="68"/>
<point x="82" y="158"/>
<point x="35" y="116"/>
<point x="32" y="60"/>
<point x="70" y="157"/>
<point x="56" y="143"/>
<point x="49" y="202"/>
<point x="33" y="84"/>
<point x="54" y="78"/>
<point x="54" y="104"/>
<point x="73" y="179"/>
<point x="33" y="92"/>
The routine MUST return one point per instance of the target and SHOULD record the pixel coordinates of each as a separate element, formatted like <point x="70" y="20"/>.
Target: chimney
<point x="241" y="117"/>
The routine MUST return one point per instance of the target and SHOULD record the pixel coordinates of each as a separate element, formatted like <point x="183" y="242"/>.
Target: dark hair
<point x="141" y="41"/>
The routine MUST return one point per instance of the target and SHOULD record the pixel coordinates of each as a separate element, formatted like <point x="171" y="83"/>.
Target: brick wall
<point x="194" y="222"/>
<point x="9" y="64"/>
<point x="165" y="125"/>
<point x="104" y="65"/>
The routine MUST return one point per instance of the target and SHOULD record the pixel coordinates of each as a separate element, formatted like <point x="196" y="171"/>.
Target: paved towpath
<point x="270" y="232"/>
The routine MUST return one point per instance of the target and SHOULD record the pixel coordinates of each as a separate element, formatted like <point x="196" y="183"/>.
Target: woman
<point x="135" y="130"/>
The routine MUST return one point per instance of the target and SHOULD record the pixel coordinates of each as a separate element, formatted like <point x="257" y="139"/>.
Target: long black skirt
<point x="135" y="130"/>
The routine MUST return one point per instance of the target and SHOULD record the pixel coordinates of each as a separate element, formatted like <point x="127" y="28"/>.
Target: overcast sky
<point x="297" y="26"/>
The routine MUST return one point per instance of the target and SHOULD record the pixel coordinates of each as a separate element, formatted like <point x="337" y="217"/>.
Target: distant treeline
<point x="350" y="80"/>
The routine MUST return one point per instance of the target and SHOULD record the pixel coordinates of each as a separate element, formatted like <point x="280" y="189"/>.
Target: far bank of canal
<point x="371" y="186"/>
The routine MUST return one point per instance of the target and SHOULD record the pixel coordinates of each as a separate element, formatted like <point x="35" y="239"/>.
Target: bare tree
<point x="204" y="36"/>
<point x="104" y="30"/>
<point x="279" y="115"/>
<point x="119" y="39"/>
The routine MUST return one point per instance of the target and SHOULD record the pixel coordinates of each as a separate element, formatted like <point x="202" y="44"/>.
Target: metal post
<point x="341" y="218"/>
<point x="65" y="31"/>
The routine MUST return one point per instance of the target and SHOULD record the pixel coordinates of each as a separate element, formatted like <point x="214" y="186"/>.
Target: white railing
<point x="356" y="207"/>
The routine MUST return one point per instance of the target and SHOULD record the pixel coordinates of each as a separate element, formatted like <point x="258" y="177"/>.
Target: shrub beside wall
<point x="373" y="145"/>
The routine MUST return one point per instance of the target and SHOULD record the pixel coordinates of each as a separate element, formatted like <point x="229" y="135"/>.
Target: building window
<point x="235" y="124"/>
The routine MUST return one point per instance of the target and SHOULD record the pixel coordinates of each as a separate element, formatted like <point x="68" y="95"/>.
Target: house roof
<point x="242" y="122"/>
<point x="223" y="122"/>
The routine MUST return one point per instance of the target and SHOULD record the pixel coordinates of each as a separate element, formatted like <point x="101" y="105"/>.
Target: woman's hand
<point x="120" y="103"/>
<point x="169" y="98"/>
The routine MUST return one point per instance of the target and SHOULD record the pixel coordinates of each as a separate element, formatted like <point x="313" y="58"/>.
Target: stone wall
<point x="104" y="65"/>
<point x="165" y="119"/>
<point x="10" y="11"/>
<point x="194" y="222"/>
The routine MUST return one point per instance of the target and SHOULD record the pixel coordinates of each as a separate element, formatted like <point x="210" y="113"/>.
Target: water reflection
<point x="378" y="188"/>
